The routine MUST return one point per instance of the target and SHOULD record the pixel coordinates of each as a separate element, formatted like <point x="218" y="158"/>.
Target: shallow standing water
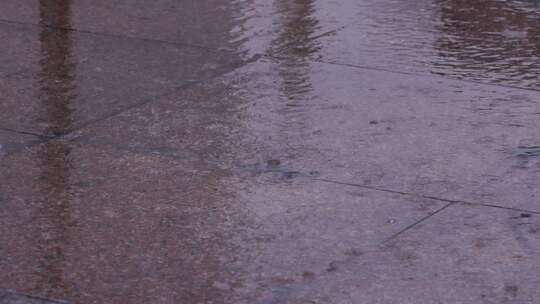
<point x="304" y="151"/>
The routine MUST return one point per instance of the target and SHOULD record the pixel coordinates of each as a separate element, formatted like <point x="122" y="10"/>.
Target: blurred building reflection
<point x="497" y="38"/>
<point x="56" y="89"/>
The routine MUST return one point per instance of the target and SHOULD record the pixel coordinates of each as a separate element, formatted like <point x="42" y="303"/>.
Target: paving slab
<point x="90" y="225"/>
<point x="306" y="231"/>
<point x="77" y="78"/>
<point x="420" y="135"/>
<point x="462" y="255"/>
<point x="423" y="135"/>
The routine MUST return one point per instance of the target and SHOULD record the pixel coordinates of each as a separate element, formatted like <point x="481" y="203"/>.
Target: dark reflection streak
<point x="297" y="28"/>
<point x="56" y="86"/>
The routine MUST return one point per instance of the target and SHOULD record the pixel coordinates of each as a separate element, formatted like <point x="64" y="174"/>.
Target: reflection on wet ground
<point x="53" y="219"/>
<point x="498" y="40"/>
<point x="486" y="41"/>
<point x="304" y="151"/>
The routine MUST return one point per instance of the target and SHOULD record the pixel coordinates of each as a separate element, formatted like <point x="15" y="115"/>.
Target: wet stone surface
<point x="13" y="142"/>
<point x="494" y="261"/>
<point x="72" y="79"/>
<point x="245" y="26"/>
<point x="269" y="152"/>
<point x="73" y="224"/>
<point x="486" y="41"/>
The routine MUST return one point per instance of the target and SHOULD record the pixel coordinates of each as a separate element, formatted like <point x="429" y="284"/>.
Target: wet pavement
<point x="267" y="152"/>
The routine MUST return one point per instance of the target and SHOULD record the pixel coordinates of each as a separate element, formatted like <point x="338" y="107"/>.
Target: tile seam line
<point x="435" y="198"/>
<point x="118" y="36"/>
<point x="124" y="148"/>
<point x="152" y="99"/>
<point x="434" y="76"/>
<point x="415" y="224"/>
<point x="30" y="24"/>
<point x="44" y="139"/>
<point x="379" y="247"/>
<point x="40" y="136"/>
<point x="10" y="292"/>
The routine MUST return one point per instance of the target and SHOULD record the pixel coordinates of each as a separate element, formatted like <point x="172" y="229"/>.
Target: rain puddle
<point x="274" y="166"/>
<point x="524" y="151"/>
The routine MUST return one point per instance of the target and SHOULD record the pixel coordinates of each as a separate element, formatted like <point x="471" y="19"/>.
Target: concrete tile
<point x="96" y="225"/>
<point x="203" y="124"/>
<point x="77" y="78"/>
<point x="414" y="134"/>
<point x="463" y="255"/>
<point x="307" y="228"/>
<point x="421" y="135"/>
